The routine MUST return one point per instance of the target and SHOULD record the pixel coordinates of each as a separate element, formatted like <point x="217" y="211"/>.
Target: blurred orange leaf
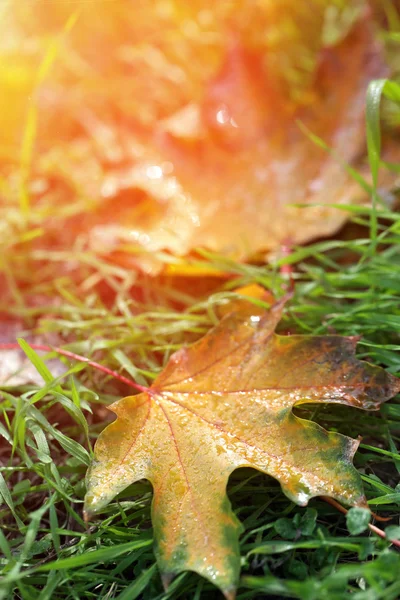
<point x="179" y="123"/>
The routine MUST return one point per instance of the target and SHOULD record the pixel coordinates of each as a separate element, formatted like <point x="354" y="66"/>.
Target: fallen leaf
<point x="194" y="141"/>
<point x="233" y="185"/>
<point x="227" y="402"/>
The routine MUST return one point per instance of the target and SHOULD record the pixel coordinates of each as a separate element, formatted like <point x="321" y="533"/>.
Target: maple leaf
<point x="223" y="403"/>
<point x="225" y="172"/>
<point x="194" y="141"/>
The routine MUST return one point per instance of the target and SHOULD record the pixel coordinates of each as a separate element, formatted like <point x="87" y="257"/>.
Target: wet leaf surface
<point x="223" y="403"/>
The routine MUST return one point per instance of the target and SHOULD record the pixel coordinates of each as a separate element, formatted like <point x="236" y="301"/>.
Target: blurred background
<point x="140" y="130"/>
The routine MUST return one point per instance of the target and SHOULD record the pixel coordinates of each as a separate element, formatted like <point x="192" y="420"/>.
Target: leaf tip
<point x="230" y="594"/>
<point x="90" y="507"/>
<point x="395" y="384"/>
<point x="354" y="339"/>
<point x="86" y="517"/>
<point x="166" y="579"/>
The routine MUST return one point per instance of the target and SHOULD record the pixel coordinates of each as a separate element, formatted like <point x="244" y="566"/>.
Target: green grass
<point x="350" y="286"/>
<point x="287" y="551"/>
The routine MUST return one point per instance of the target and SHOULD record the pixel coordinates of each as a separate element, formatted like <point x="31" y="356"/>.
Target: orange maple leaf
<point x="180" y="124"/>
<point x="227" y="402"/>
